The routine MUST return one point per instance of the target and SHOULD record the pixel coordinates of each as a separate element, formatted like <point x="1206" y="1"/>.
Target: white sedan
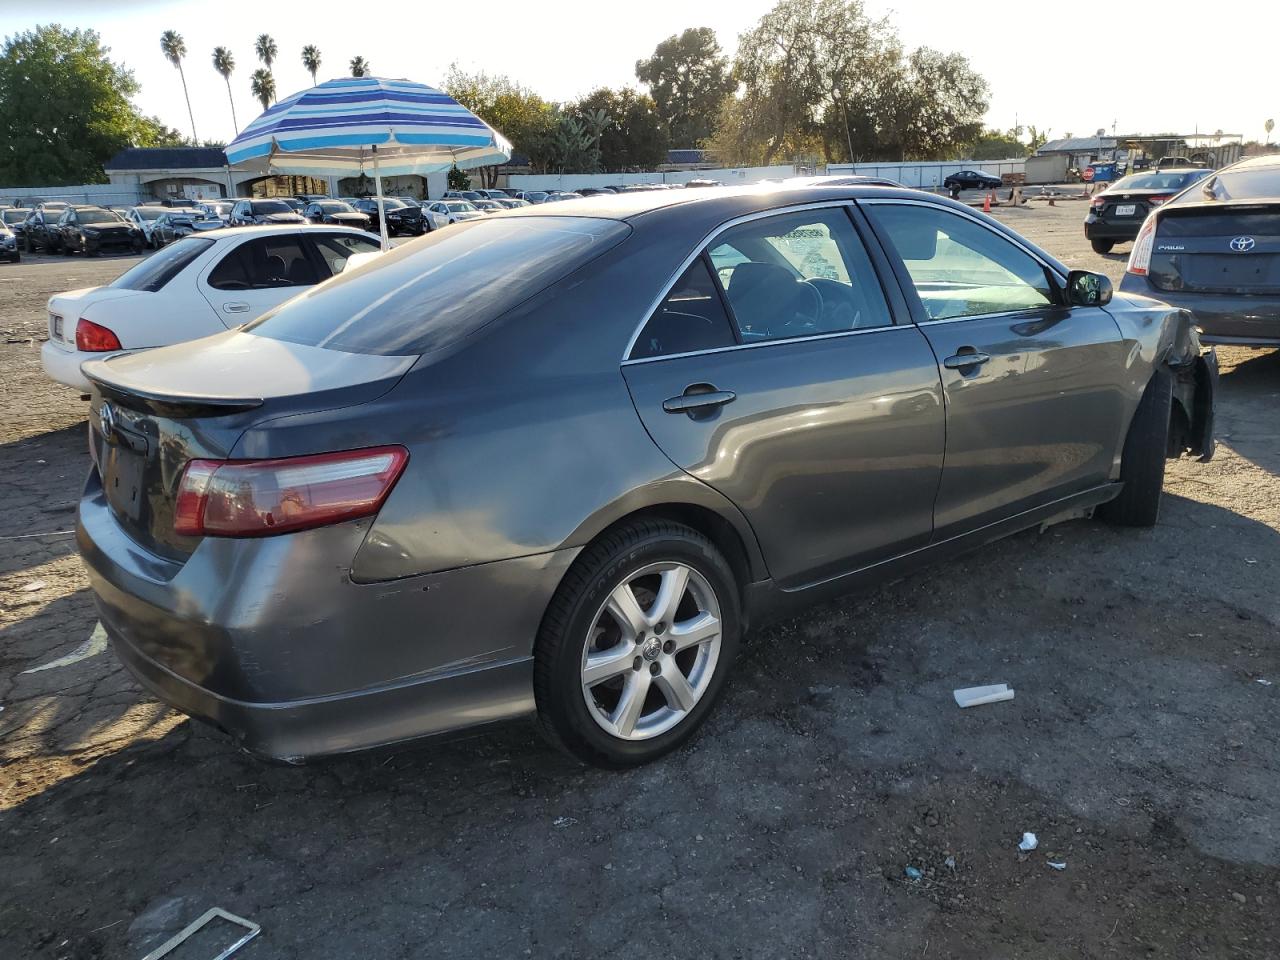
<point x="444" y="212"/>
<point x="195" y="287"/>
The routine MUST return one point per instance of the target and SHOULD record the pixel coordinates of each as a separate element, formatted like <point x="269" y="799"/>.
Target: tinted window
<point x="261" y="207"/>
<point x="161" y="267"/>
<point x="1156" y="181"/>
<point x="97" y="216"/>
<point x="692" y="317"/>
<point x="15" y="216"/>
<point x="435" y="291"/>
<point x="798" y="274"/>
<point x="335" y="248"/>
<point x="960" y="268"/>
<point x="264" y="263"/>
<point x="1244" y="183"/>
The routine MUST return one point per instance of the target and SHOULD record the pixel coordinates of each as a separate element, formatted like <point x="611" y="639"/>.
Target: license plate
<point x="122" y="479"/>
<point x="57" y="326"/>
<point x="1126" y="209"/>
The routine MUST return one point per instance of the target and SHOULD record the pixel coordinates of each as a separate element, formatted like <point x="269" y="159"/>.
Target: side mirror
<point x="1086" y="289"/>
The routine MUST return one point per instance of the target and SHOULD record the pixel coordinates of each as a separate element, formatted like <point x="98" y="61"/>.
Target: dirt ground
<point x="1141" y="749"/>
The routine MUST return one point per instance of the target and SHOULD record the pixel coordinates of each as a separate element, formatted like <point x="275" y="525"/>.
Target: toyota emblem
<point x="107" y="417"/>
<point x="1243" y="244"/>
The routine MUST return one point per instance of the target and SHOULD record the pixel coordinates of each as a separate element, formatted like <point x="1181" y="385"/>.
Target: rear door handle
<point x="695" y="398"/>
<point x="964" y="358"/>
<point x="236" y="306"/>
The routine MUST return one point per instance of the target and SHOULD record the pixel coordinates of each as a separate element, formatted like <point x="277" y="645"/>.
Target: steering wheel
<point x="806" y="310"/>
<point x="840" y="304"/>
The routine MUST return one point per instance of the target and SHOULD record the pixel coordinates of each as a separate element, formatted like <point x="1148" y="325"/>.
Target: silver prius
<point x="558" y="462"/>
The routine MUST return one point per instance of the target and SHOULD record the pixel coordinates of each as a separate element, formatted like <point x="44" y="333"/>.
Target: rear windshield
<point x="148" y="213"/>
<point x="435" y="291"/>
<point x="162" y="266"/>
<point x="1245" y="184"/>
<point x="271" y="206"/>
<point x="1157" y="181"/>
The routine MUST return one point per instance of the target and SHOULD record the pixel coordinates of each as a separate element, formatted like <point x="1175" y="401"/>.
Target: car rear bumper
<point x="64" y="365"/>
<point x="1222" y="318"/>
<point x="271" y="640"/>
<point x="1105" y="230"/>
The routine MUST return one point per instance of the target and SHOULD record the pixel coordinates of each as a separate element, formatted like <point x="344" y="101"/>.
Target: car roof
<point x="233" y="232"/>
<point x="714" y="201"/>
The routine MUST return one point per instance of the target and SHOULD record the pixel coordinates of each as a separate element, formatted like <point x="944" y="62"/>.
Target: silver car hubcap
<point x="651" y="651"/>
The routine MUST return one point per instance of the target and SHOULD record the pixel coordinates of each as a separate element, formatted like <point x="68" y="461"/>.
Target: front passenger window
<point x="960" y="268"/>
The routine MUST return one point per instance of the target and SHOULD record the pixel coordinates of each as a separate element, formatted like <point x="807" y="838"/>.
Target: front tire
<point x="1142" y="463"/>
<point x="636" y="644"/>
<point x="1102" y="246"/>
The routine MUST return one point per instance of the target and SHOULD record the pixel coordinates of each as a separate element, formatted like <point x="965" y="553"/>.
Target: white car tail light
<point x="261" y="498"/>
<point x="1140" y="256"/>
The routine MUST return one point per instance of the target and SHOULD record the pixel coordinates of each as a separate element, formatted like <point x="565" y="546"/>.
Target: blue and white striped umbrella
<point x="332" y="128"/>
<point x="367" y="124"/>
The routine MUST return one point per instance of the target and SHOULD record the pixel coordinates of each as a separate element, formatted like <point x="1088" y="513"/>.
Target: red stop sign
<point x="1087" y="175"/>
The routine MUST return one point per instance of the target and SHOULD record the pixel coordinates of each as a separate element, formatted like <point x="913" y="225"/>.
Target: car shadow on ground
<point x="836" y="760"/>
<point x="41" y="477"/>
<point x="1249" y="398"/>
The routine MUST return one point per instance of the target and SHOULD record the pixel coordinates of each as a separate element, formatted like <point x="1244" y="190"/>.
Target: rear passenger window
<point x="264" y="263"/>
<point x="960" y="268"/>
<point x="798" y="274"/>
<point x="691" y="318"/>
<point x="336" y="248"/>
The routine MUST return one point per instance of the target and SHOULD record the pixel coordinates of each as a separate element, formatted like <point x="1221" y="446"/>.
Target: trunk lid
<point x="1218" y="248"/>
<point x="154" y="411"/>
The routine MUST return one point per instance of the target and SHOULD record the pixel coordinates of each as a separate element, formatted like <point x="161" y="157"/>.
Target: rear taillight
<point x="1140" y="255"/>
<point x="260" y="498"/>
<point x="1156" y="201"/>
<point x="94" y="338"/>
<point x="1099" y="202"/>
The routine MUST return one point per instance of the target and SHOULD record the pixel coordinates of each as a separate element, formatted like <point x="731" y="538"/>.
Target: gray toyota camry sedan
<point x="557" y="462"/>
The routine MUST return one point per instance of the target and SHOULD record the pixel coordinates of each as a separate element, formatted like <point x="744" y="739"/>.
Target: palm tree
<point x="264" y="86"/>
<point x="175" y="48"/>
<point x="359" y="67"/>
<point x="224" y="63"/>
<point x="266" y="49"/>
<point x="311" y="60"/>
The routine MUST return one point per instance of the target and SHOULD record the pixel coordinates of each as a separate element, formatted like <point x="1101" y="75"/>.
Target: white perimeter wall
<point x="98" y="193"/>
<point x="575" y="181"/>
<point x="927" y="173"/>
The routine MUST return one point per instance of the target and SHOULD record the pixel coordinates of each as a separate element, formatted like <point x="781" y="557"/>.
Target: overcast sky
<point x="1176" y="66"/>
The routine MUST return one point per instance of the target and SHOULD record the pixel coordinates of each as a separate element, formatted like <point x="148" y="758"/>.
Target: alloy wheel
<point x="651" y="652"/>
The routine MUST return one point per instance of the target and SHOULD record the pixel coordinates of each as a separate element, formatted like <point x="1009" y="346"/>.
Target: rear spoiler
<point x="161" y="404"/>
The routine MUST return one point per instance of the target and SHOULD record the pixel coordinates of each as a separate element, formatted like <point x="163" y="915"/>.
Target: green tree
<point x="263" y="85"/>
<point x="822" y="73"/>
<point x="458" y="180"/>
<point x="266" y="49"/>
<point x="634" y="136"/>
<point x="993" y="144"/>
<point x="224" y="63"/>
<point x="517" y="113"/>
<point x="359" y="67"/>
<point x="1036" y="138"/>
<point x="175" y="48"/>
<point x="688" y="77"/>
<point x="65" y="109"/>
<point x="311" y="60"/>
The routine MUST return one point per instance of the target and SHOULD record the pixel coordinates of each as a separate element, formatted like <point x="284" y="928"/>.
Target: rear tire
<point x="1142" y="463"/>
<point x="1102" y="246"/>
<point x="678" y="678"/>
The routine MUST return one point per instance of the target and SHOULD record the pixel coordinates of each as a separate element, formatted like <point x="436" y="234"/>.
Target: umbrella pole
<point x="382" y="213"/>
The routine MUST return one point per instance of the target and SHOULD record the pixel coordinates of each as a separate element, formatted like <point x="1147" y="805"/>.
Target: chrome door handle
<point x="235" y="307"/>
<point x="964" y="359"/>
<point x="688" y="402"/>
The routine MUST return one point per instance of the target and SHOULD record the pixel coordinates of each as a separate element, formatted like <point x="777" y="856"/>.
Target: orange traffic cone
<point x="986" y="203"/>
